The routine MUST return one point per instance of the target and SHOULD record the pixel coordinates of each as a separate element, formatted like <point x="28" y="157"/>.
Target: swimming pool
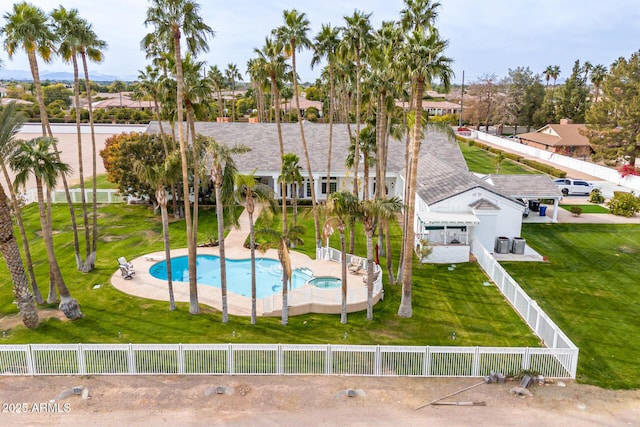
<point x="268" y="274"/>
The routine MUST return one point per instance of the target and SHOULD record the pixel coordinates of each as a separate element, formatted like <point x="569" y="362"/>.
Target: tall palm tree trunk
<point x="252" y="248"/>
<point x="332" y="94"/>
<point x="223" y="261"/>
<point x="161" y="195"/>
<point x="23" y="236"/>
<point x="316" y="215"/>
<point x="343" y="270"/>
<point x="194" y="308"/>
<point x="83" y="198"/>
<point x="283" y="187"/>
<point x="405" y="309"/>
<point x="68" y="305"/>
<point x="90" y="261"/>
<point x="11" y="254"/>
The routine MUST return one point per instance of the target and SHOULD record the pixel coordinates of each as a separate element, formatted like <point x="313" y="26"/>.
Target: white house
<point x="453" y="206"/>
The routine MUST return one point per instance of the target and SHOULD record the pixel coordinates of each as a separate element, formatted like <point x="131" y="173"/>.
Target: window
<point x="333" y="185"/>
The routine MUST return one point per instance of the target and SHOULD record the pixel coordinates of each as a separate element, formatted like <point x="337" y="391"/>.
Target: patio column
<point x="556" y="204"/>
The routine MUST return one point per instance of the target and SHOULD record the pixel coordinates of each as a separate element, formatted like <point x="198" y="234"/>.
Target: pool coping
<point x="300" y="300"/>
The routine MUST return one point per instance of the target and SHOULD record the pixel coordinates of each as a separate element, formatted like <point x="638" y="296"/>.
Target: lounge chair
<point x="126" y="268"/>
<point x="355" y="265"/>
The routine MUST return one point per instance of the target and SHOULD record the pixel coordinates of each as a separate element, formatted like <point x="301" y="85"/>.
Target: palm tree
<point x="217" y="79"/>
<point x="341" y="206"/>
<point x="368" y="153"/>
<point x="598" y="75"/>
<point x="68" y="29"/>
<point x="356" y="38"/>
<point x="11" y="255"/>
<point x="294" y="36"/>
<point x="251" y="191"/>
<point x="290" y="174"/>
<point x="282" y="241"/>
<point x="547" y="74"/>
<point x="424" y="61"/>
<point x="272" y="61"/>
<point x="173" y="20"/>
<point x="159" y="175"/>
<point x="327" y="42"/>
<point x="223" y="171"/>
<point x="27" y="29"/>
<point x="555" y="72"/>
<point x="232" y="73"/>
<point x="586" y="67"/>
<point x="10" y="122"/>
<point x="90" y="47"/>
<point x="36" y="157"/>
<point x="370" y="212"/>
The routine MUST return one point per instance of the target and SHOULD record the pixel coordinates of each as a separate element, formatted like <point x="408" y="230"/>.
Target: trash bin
<point x="502" y="245"/>
<point x="534" y="205"/>
<point x="517" y="247"/>
<point x="543" y="210"/>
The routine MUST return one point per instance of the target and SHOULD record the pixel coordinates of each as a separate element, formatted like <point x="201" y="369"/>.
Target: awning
<point x="448" y="219"/>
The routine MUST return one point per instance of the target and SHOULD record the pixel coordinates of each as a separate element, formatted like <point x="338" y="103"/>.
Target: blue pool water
<point x="326" y="282"/>
<point x="268" y="274"/>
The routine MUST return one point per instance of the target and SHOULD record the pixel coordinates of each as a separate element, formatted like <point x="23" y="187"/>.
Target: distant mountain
<point x="61" y="76"/>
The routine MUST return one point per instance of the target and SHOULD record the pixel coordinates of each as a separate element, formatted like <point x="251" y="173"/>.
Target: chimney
<point x="566" y="121"/>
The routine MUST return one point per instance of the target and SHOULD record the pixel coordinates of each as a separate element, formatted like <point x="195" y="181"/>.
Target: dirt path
<point x="261" y="400"/>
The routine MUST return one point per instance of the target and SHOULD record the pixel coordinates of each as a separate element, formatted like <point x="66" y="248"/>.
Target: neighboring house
<point x="125" y="102"/>
<point x="434" y="108"/>
<point x="453" y="206"/>
<point x="3" y="91"/>
<point x="564" y="138"/>
<point x="5" y="101"/>
<point x="290" y="105"/>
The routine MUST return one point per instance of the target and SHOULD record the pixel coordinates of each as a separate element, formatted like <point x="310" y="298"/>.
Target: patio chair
<point x="355" y="265"/>
<point x="126" y="268"/>
<point x="375" y="277"/>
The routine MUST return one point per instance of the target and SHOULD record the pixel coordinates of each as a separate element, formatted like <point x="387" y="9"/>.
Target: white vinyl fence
<point x="539" y="322"/>
<point x="279" y="359"/>
<point x="602" y="172"/>
<point x="58" y="196"/>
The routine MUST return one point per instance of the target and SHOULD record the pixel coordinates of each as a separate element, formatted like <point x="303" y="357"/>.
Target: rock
<point x="520" y="391"/>
<point x="561" y="384"/>
<point x="85" y="394"/>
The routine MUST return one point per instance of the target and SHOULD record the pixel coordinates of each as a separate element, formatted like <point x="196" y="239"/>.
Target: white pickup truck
<point x="570" y="186"/>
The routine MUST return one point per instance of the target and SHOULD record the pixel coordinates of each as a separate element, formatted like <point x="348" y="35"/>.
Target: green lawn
<point x="482" y="161"/>
<point x="587" y="209"/>
<point x="591" y="288"/>
<point x="444" y="301"/>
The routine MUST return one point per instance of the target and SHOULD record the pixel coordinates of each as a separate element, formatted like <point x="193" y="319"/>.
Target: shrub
<point x="544" y="168"/>
<point x="576" y="210"/>
<point x="596" y="196"/>
<point x="627" y="169"/>
<point x="624" y="204"/>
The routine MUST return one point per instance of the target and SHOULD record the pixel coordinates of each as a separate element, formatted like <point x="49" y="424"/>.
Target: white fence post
<point x="82" y="367"/>
<point x="31" y="368"/>
<point x="180" y="357"/>
<point x="131" y="359"/>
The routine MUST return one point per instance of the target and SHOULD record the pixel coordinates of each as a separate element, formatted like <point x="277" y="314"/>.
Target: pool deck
<point x="322" y="300"/>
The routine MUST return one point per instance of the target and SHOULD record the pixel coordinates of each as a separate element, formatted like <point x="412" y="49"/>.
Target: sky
<point x="485" y="37"/>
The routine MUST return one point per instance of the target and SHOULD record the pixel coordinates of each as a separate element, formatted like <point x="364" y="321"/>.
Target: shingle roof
<point x="262" y="138"/>
<point x="525" y="186"/>
<point x="555" y="135"/>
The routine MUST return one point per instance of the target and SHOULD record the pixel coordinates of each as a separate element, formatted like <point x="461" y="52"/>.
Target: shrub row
<point x="542" y="167"/>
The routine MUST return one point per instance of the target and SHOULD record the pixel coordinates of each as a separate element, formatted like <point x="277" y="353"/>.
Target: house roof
<point x="558" y="135"/>
<point x="264" y="156"/>
<point x="304" y="104"/>
<point x="427" y="105"/>
<point x="447" y="218"/>
<point x="5" y="101"/>
<point x="535" y="186"/>
<point x="126" y="103"/>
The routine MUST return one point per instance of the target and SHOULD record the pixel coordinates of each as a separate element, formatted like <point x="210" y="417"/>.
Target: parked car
<point x="570" y="186"/>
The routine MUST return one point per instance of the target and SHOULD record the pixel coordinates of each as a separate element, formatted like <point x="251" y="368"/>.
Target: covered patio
<point x="449" y="235"/>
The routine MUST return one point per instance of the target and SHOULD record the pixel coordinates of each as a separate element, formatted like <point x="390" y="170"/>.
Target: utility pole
<point x="461" y="99"/>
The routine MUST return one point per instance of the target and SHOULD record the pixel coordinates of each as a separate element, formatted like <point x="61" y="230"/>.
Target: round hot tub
<point x="326" y="282"/>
